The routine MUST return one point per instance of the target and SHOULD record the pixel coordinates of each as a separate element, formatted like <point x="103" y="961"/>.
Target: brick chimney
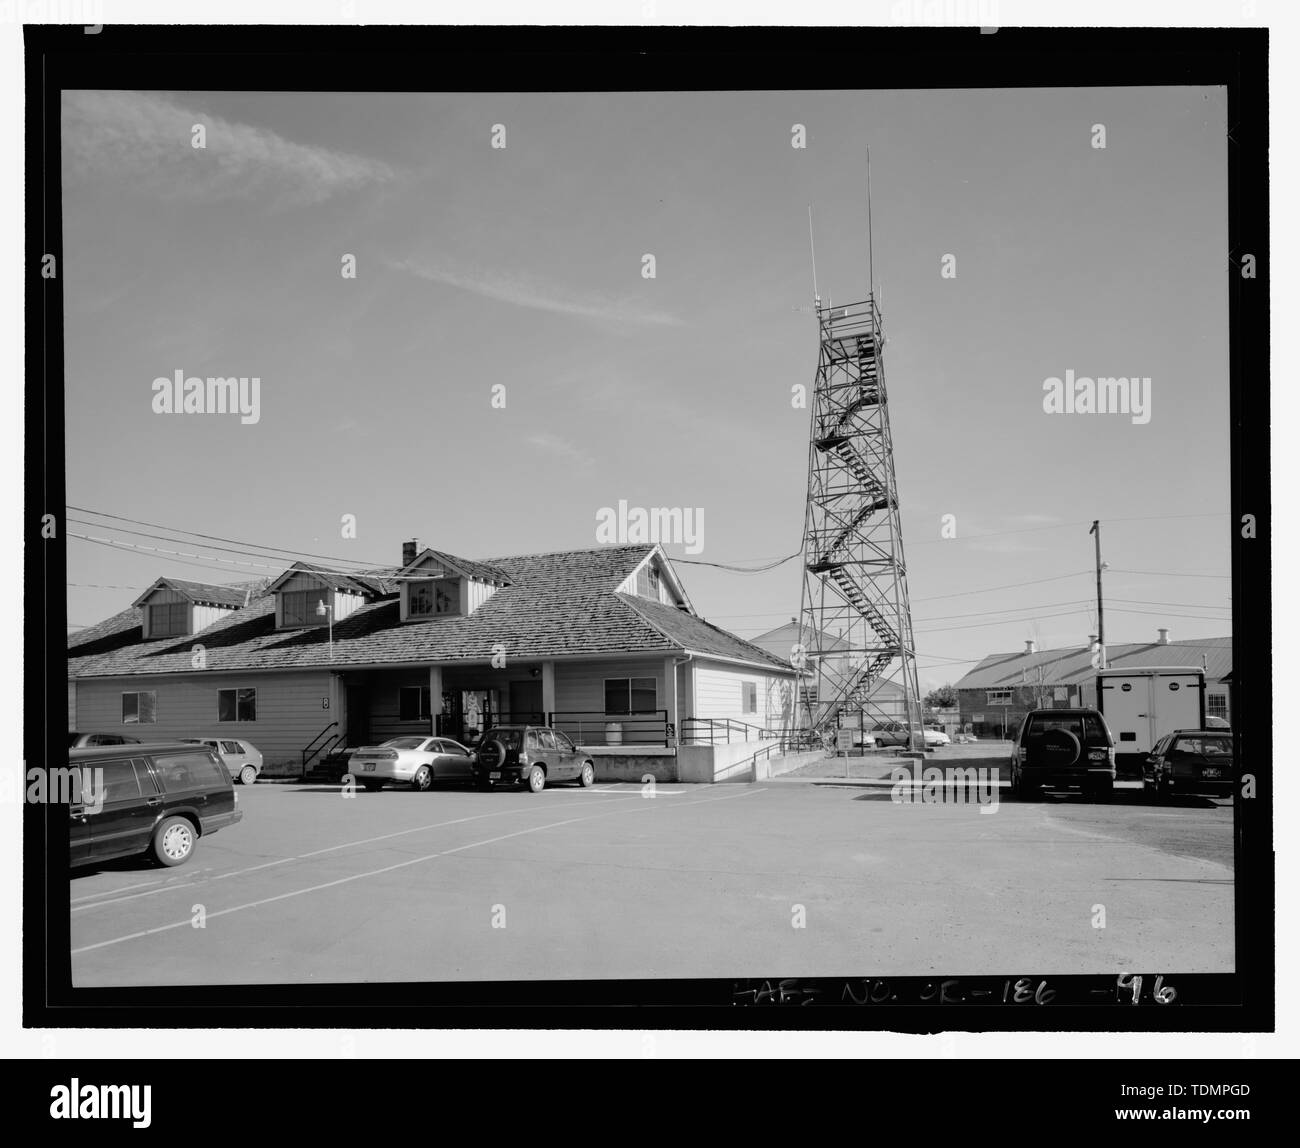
<point x="1162" y="637"/>
<point x="1031" y="647"/>
<point x="409" y="551"/>
<point x="1092" y="640"/>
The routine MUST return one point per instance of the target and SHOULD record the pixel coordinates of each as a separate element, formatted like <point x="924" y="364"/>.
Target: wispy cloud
<point x="145" y="138"/>
<point x="560" y="448"/>
<point x="524" y="290"/>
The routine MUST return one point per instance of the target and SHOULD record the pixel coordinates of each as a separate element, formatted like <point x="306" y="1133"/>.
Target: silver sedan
<point x="414" y="761"/>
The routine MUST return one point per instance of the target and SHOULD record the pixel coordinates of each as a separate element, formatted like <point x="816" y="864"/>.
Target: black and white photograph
<point x="786" y="530"/>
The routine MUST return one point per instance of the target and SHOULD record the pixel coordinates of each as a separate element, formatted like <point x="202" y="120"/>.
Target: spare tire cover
<point x="1059" y="747"/>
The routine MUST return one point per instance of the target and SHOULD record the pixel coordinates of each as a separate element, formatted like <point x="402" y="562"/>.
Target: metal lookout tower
<point x="856" y="644"/>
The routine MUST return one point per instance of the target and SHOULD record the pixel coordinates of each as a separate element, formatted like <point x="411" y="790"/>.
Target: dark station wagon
<point x="147" y="798"/>
<point x="531" y="755"/>
<point x="1190" y="761"/>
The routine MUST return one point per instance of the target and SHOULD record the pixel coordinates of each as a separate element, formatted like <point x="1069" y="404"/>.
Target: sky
<point x="480" y="267"/>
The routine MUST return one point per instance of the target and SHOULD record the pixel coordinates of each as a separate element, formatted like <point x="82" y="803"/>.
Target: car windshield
<point x="507" y="737"/>
<point x="405" y="742"/>
<point x="1083" y="726"/>
<point x="1207" y="745"/>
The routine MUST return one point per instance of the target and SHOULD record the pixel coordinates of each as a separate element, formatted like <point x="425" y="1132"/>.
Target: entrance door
<point x="358" y="708"/>
<point x="526" y="702"/>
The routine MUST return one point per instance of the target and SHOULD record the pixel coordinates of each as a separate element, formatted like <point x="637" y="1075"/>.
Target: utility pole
<point x="1101" y="626"/>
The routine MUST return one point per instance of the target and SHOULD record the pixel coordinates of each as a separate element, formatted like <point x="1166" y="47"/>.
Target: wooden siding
<point x="666" y="595"/>
<point x="479" y="592"/>
<point x="72" y="705"/>
<point x="718" y="694"/>
<point x="203" y="616"/>
<point x="580" y="686"/>
<point x="289" y="711"/>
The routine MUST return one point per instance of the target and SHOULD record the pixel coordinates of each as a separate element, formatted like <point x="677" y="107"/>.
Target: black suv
<point x="160" y="798"/>
<point x="1060" y="748"/>
<point x="532" y="755"/>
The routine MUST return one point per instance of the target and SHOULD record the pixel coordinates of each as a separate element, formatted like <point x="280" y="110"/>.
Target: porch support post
<point x="435" y="697"/>
<point x="548" y="688"/>
<point x="671" y="701"/>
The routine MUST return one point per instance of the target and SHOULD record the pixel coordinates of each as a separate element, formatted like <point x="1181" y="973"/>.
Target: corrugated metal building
<point x="996" y="694"/>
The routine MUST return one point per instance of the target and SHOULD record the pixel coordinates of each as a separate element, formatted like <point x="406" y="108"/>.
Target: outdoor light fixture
<point x="322" y="611"/>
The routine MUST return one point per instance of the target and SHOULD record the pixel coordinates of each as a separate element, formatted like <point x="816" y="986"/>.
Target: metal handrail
<point x="308" y="752"/>
<point x="716" y="727"/>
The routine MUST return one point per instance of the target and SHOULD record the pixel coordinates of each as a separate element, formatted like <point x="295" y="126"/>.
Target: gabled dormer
<point x="655" y="579"/>
<point x="175" y="608"/>
<point x="436" y="585"/>
<point x="306" y="596"/>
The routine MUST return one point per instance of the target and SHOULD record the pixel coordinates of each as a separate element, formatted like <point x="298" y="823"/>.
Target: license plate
<point x="368" y="767"/>
<point x="1097" y="755"/>
<point x="1211" y="772"/>
<point x="494" y="776"/>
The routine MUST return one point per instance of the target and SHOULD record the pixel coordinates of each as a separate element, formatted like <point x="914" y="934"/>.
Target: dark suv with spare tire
<point x="530" y="755"/>
<point x="1058" y="749"/>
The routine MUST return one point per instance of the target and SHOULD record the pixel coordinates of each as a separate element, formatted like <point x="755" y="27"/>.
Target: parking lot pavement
<point x="699" y="881"/>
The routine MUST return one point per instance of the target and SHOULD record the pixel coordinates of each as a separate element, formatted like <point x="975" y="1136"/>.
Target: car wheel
<point x="423" y="778"/>
<point x="248" y="775"/>
<point x="536" y="779"/>
<point x="587" y="778"/>
<point x="174" y="841"/>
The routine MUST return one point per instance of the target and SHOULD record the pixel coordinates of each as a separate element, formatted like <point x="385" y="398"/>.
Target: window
<point x="231" y="747"/>
<point x="119" y="781"/>
<point x="630" y="695"/>
<point x="168" y="618"/>
<point x="546" y="738"/>
<point x="413" y="703"/>
<point x="433" y="596"/>
<point x="647" y="581"/>
<point x="533" y="741"/>
<point x="1086" y="727"/>
<point x="1216" y="705"/>
<point x="562" y="743"/>
<point x="298" y="607"/>
<point x="237" y="705"/>
<point x="188" y="771"/>
<point x="140" y="708"/>
<point x="999" y="697"/>
<point x="748" y="697"/>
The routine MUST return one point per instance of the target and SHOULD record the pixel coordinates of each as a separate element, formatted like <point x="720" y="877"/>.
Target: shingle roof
<point x="1073" y="666"/>
<point x="693" y="633"/>
<point x="213" y="593"/>
<point x="483" y="570"/>
<point x="556" y="604"/>
<point x="369" y="586"/>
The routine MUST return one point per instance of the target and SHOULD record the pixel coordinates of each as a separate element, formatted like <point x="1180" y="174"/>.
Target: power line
<point x="1168" y="574"/>
<point x="1007" y="586"/>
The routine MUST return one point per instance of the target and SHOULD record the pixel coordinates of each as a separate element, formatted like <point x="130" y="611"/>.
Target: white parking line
<point x="188" y="921"/>
<point x="109" y="896"/>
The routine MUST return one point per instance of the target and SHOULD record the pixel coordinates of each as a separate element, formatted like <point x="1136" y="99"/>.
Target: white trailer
<point x="1143" y="704"/>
